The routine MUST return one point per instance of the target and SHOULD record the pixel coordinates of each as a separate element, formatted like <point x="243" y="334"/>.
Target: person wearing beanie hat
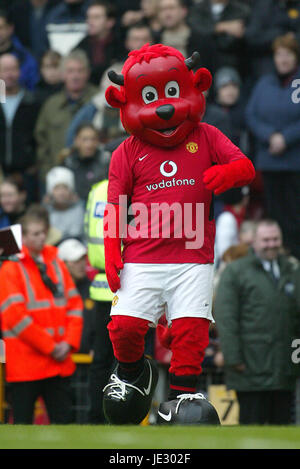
<point x="74" y="254"/>
<point x="225" y="76"/>
<point x="59" y="175"/>
<point x="66" y="210"/>
<point x="71" y="250"/>
<point x="229" y="97"/>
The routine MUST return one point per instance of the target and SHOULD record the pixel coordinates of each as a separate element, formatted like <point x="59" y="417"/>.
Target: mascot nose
<point x="165" y="112"/>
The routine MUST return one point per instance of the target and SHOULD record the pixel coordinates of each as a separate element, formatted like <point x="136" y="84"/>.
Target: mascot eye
<point x="172" y="89"/>
<point x="149" y="94"/>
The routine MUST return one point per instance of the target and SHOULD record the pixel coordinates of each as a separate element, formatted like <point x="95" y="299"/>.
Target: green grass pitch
<point x="148" y="437"/>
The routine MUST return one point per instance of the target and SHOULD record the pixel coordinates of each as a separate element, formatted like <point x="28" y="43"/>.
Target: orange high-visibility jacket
<point x="33" y="320"/>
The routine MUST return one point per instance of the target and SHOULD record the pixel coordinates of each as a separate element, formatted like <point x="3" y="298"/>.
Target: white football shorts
<point x="177" y="290"/>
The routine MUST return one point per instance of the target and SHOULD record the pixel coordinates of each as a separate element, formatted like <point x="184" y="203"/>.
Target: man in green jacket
<point x="257" y="312"/>
<point x="58" y="111"/>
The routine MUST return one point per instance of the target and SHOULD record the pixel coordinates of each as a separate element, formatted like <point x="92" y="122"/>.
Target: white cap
<point x="59" y="175"/>
<point x="71" y="250"/>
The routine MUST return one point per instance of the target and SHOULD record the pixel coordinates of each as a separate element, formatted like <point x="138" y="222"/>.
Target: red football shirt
<point x="166" y="195"/>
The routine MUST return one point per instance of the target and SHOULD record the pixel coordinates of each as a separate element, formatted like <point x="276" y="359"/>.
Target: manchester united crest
<point x="115" y="300"/>
<point x="192" y="147"/>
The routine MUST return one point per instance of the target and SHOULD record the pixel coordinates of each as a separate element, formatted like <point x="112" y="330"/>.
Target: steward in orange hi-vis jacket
<point x="34" y="319"/>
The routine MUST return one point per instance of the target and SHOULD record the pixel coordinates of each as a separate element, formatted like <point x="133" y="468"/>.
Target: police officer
<point x="101" y="294"/>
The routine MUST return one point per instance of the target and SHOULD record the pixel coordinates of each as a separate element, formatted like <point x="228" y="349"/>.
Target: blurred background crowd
<point x="54" y="57"/>
<point x="57" y="132"/>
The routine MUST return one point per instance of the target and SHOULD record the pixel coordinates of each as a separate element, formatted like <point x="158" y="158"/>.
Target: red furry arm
<point x="112" y="246"/>
<point x="220" y="178"/>
<point x="234" y="169"/>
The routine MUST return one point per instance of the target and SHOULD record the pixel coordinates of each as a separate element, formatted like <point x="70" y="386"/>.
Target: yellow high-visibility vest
<point x="93" y="223"/>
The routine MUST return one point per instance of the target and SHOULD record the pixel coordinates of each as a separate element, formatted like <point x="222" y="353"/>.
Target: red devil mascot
<point x="161" y="262"/>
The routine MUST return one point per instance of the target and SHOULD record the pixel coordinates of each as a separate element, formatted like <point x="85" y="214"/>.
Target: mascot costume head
<point x="160" y="97"/>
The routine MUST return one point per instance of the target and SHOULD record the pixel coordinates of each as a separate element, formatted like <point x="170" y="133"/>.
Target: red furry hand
<point x="113" y="262"/>
<point x="112" y="248"/>
<point x="220" y="178"/>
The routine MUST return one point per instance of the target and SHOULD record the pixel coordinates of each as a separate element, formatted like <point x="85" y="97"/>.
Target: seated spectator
<point x="224" y="21"/>
<point x="149" y="9"/>
<point x="59" y="110"/>
<point x="54" y="236"/>
<point x="214" y="115"/>
<point x="105" y="118"/>
<point x="135" y="11"/>
<point x="229" y="97"/>
<point x="247" y="232"/>
<point x="74" y="254"/>
<point x="18" y="116"/>
<point x="129" y="13"/>
<point x="86" y="160"/>
<point x="51" y="76"/>
<point x="147" y="13"/>
<point x="66" y="26"/>
<point x="274" y="121"/>
<point x="29" y="19"/>
<point x="12" y="200"/>
<point x="136" y="36"/>
<point x="229" y="221"/>
<point x="176" y="32"/>
<point x="66" y="210"/>
<point x="100" y="44"/>
<point x="269" y="19"/>
<point x="10" y="44"/>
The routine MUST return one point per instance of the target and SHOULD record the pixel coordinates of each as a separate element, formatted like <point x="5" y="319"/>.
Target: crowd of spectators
<point x="57" y="132"/>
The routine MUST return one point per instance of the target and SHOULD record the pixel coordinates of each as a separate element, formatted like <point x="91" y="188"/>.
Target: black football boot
<point x="127" y="403"/>
<point x="188" y="409"/>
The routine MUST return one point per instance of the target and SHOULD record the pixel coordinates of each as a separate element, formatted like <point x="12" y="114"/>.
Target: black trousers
<point x="265" y="407"/>
<point x="282" y="201"/>
<point x="103" y="361"/>
<point x="56" y="393"/>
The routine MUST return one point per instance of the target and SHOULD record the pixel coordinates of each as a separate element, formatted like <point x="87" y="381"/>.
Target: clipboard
<point x="10" y="240"/>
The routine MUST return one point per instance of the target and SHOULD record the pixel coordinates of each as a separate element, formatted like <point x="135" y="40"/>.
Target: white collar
<point x="271" y="265"/>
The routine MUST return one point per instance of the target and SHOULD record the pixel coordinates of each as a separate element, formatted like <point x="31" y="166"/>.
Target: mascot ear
<point x="114" y="97"/>
<point x="202" y="79"/>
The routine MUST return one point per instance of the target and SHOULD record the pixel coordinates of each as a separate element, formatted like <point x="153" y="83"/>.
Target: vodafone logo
<point x="168" y="168"/>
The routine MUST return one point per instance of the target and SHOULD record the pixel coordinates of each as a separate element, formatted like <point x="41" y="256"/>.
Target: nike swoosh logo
<point x="148" y="389"/>
<point x="166" y="417"/>
<point x="142" y="157"/>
